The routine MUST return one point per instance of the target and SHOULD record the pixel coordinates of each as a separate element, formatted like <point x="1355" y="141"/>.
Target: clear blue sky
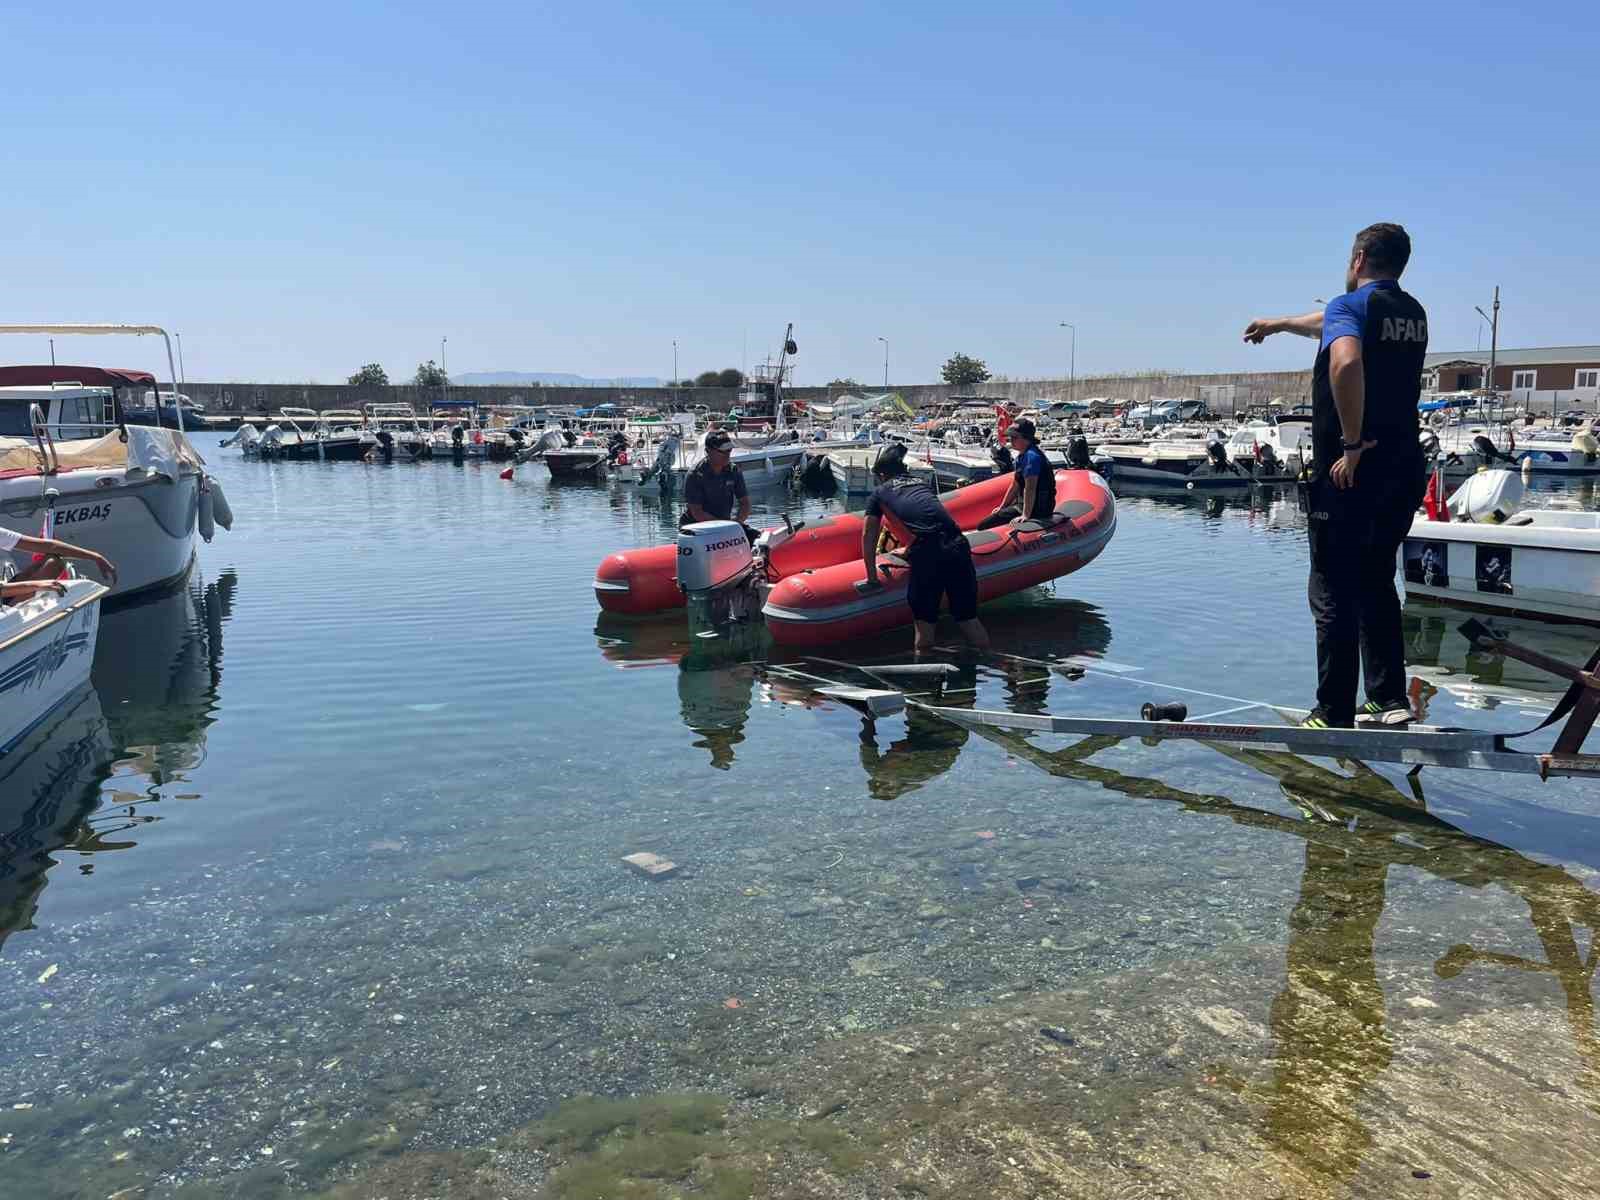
<point x="303" y="188"/>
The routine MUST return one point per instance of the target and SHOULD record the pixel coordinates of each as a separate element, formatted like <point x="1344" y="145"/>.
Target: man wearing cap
<point x="716" y="486"/>
<point x="1032" y="494"/>
<point x="940" y="558"/>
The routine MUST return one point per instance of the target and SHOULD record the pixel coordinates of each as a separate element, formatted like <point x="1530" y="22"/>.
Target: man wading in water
<point x="1367" y="475"/>
<point x="940" y="558"/>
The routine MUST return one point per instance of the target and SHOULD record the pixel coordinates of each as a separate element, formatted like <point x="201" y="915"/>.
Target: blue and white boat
<point x="46" y="650"/>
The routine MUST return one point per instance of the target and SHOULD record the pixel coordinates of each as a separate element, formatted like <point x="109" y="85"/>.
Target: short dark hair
<point x="1023" y="429"/>
<point x="1387" y="247"/>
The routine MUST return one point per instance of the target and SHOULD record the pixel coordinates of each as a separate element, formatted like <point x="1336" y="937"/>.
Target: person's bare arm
<point x="1306" y="325"/>
<point x="1011" y="498"/>
<point x="698" y="514"/>
<point x="50" y="546"/>
<point x="869" y="548"/>
<point x="1350" y="400"/>
<point x="22" y="589"/>
<point x="744" y="508"/>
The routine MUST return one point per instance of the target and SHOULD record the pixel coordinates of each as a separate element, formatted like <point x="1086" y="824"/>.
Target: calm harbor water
<point x="317" y="889"/>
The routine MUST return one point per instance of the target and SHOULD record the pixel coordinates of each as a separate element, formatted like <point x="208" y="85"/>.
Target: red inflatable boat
<point x="646" y="580"/>
<point x="818" y="606"/>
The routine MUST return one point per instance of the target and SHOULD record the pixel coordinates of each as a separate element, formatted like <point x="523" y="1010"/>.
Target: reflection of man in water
<point x="1328" y="1019"/>
<point x="716" y="705"/>
<point x="929" y="748"/>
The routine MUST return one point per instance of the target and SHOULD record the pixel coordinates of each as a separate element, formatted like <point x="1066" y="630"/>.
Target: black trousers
<point x="1355" y="538"/>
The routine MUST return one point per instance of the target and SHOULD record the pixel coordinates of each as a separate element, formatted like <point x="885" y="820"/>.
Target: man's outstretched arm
<point x="1306" y="325"/>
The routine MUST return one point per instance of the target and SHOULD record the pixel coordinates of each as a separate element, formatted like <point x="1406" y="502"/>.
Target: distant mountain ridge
<point x="549" y="379"/>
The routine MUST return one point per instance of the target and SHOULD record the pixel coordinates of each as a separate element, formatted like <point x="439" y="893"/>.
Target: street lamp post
<point x="52" y="352"/>
<point x="885" y="342"/>
<point x="183" y="376"/>
<point x="444" y="388"/>
<point x="1494" y="336"/>
<point x="1072" y="369"/>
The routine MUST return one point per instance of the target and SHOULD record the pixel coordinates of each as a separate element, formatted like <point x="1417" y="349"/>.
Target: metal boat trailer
<point x="1417" y="746"/>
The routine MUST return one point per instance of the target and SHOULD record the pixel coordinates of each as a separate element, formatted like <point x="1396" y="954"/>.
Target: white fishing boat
<point x="1273" y="450"/>
<point x="851" y="468"/>
<point x="46" y="650"/>
<point x="400" y="432"/>
<point x="1190" y="465"/>
<point x="136" y="494"/>
<point x="1495" y="554"/>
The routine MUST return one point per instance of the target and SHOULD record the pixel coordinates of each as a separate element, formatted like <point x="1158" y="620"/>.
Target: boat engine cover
<point x="711" y="554"/>
<point x="1489" y="497"/>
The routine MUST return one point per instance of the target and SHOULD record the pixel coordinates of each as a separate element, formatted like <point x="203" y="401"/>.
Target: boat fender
<point x="221" y="511"/>
<point x="207" y="518"/>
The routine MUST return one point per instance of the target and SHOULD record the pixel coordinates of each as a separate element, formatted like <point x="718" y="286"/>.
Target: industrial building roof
<point x="1537" y="357"/>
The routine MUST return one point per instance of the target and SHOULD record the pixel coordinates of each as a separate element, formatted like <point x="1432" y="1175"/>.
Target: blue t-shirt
<point x="1393" y="330"/>
<point x="1032" y="464"/>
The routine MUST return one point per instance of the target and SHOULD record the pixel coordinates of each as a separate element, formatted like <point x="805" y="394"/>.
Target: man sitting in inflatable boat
<point x="1032" y="494"/>
<point x="715" y="486"/>
<point x="941" y="560"/>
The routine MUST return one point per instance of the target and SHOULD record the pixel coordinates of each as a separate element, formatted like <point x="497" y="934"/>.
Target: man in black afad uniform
<point x="1367" y="475"/>
<point x="940" y="558"/>
<point x="715" y="486"/>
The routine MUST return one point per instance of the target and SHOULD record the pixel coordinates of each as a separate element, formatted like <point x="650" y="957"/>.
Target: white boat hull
<point x="1539" y="570"/>
<point x="145" y="526"/>
<point x="46" y="651"/>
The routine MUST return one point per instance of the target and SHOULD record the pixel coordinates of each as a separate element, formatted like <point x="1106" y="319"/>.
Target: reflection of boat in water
<point x="1438" y="656"/>
<point x="157" y="671"/>
<point x="49" y="784"/>
<point x="153" y="692"/>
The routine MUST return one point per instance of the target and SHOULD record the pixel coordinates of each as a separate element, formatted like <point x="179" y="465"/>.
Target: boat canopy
<point x="44" y="375"/>
<point x="158" y="451"/>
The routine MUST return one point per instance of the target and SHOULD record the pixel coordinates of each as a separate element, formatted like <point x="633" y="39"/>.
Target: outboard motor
<point x="1078" y="454"/>
<point x="666" y="455"/>
<point x="386" y="445"/>
<point x="1586" y="444"/>
<point x="1430" y="444"/>
<point x="458" y="442"/>
<point x="717" y="572"/>
<point x="1003" y="462"/>
<point x="1218" y="454"/>
<point x="1488" y="452"/>
<point x="1488" y="498"/>
<point x="271" y="440"/>
<point x="516" y="437"/>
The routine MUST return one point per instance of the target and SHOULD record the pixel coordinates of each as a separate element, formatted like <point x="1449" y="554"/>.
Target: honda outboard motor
<point x="1078" y="454"/>
<point x="717" y="572"/>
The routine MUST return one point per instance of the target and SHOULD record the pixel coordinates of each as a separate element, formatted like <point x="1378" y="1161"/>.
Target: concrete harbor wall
<point x="1224" y="391"/>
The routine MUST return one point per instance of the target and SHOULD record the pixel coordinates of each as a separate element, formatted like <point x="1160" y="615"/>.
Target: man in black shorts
<point x="1367" y="478"/>
<point x="941" y="560"/>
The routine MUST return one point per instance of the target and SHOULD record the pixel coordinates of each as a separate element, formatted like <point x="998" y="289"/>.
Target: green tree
<point x="372" y="375"/>
<point x="961" y="371"/>
<point x="706" y="379"/>
<point x="845" y="385"/>
<point x="430" y="375"/>
<point x="729" y="378"/>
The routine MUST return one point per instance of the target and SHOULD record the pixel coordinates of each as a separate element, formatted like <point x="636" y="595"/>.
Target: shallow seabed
<point x="340" y="910"/>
